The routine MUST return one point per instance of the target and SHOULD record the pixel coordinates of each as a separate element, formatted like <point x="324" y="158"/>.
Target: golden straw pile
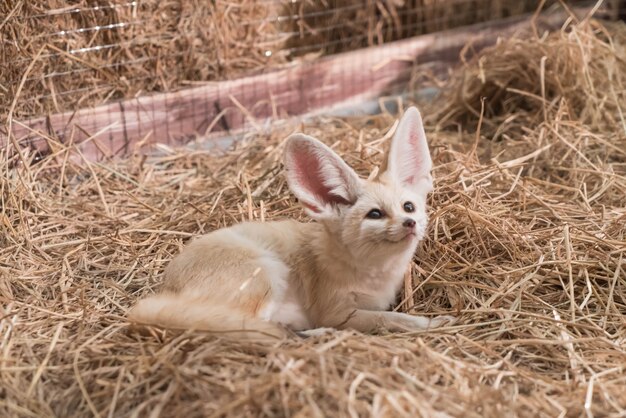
<point x="527" y="246"/>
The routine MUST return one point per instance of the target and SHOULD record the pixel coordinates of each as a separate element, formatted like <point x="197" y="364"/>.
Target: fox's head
<point x="369" y="217"/>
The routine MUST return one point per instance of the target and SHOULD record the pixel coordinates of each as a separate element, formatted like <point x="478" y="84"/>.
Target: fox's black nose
<point x="408" y="223"/>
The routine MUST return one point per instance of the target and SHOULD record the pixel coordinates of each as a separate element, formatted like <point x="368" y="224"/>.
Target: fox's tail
<point x="178" y="312"/>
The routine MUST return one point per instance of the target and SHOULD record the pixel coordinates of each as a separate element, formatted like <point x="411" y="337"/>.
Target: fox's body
<point x="343" y="271"/>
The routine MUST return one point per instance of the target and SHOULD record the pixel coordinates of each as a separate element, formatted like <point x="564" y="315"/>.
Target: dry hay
<point x="526" y="246"/>
<point x="56" y="58"/>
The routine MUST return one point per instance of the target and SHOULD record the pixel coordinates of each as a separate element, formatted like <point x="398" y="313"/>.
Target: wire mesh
<point x="62" y="56"/>
<point x="83" y="53"/>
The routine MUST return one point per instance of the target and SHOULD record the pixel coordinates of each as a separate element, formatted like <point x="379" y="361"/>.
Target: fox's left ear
<point x="409" y="161"/>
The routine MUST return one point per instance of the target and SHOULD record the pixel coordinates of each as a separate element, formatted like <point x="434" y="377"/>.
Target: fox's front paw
<point x="439" y="321"/>
<point x="315" y="332"/>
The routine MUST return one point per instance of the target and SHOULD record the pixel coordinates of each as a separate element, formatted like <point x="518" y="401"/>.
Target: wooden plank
<point x="304" y="87"/>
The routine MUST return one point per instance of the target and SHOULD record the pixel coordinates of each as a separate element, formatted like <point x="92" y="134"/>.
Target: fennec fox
<point x="342" y="271"/>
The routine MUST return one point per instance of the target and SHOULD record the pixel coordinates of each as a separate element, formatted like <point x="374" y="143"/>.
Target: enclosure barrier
<point x="283" y="59"/>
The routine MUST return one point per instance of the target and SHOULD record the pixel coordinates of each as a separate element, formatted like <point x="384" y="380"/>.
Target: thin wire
<point x="74" y="10"/>
<point x="112" y="26"/>
<point x="91" y="29"/>
<point x="87" y="49"/>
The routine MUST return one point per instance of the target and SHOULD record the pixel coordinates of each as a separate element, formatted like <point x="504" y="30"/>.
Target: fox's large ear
<point x="409" y="161"/>
<point x="318" y="177"/>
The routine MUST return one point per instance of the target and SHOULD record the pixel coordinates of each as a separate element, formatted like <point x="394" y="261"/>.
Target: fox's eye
<point x="374" y="214"/>
<point x="408" y="207"/>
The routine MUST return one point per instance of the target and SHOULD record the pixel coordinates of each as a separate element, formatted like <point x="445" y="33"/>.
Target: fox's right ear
<point x="318" y="177"/>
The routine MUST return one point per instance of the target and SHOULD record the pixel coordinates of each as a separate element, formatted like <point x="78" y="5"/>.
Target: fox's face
<point x="370" y="218"/>
<point x="386" y="217"/>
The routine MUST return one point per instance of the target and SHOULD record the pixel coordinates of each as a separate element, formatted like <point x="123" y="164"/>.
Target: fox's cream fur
<point x="343" y="271"/>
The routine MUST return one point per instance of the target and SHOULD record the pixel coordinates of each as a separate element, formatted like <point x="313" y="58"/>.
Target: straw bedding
<point x="526" y="246"/>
